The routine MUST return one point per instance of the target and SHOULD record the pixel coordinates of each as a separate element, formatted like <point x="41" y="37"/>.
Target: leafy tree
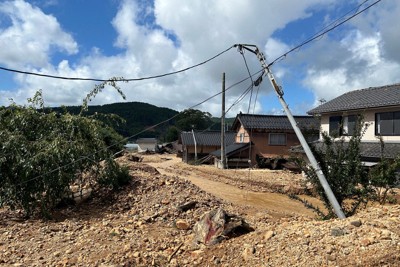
<point x="43" y="153"/>
<point x="172" y="134"/>
<point x="193" y="119"/>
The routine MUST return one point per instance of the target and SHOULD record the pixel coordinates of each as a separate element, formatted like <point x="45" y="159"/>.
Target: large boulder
<point x="217" y="225"/>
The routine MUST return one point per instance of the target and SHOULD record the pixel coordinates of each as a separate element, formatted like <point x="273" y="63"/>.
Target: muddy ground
<point x="142" y="226"/>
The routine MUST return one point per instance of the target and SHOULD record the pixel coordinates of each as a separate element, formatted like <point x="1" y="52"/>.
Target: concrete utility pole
<point x="223" y="160"/>
<point x="328" y="191"/>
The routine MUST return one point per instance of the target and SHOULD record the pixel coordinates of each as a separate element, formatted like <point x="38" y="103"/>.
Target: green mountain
<point x="138" y="116"/>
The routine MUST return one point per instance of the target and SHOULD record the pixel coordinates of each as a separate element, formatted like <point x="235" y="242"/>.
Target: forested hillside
<point x="138" y="116"/>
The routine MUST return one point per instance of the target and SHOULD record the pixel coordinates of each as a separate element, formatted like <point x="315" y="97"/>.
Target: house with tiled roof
<point x="271" y="136"/>
<point x="201" y="144"/>
<point x="379" y="108"/>
<point x="147" y="144"/>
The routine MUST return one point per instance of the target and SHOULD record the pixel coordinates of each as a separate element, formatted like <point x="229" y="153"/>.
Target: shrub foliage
<point x="43" y="152"/>
<point x="384" y="177"/>
<point x="340" y="161"/>
<point x="341" y="164"/>
<point x="351" y="182"/>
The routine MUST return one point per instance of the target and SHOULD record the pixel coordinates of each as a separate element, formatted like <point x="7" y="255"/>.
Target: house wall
<point x="369" y="118"/>
<point x="146" y="147"/>
<point x="202" y="151"/>
<point x="246" y="137"/>
<point x="261" y="145"/>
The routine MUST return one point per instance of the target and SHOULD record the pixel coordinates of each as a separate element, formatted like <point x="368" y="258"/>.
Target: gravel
<point x="142" y="225"/>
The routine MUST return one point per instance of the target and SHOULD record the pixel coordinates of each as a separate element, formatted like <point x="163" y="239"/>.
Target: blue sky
<point x="137" y="38"/>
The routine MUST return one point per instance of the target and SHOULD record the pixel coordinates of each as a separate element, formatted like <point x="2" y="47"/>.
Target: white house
<point x="380" y="109"/>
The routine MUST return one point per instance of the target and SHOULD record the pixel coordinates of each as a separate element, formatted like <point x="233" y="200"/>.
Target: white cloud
<point x="383" y="18"/>
<point x="364" y="58"/>
<point x="363" y="66"/>
<point x="31" y="36"/>
<point x="275" y="48"/>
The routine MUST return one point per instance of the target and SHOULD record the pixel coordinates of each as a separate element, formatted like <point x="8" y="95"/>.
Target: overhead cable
<point x="119" y="79"/>
<point x="201" y="63"/>
<point x="134" y="135"/>
<point x="318" y="35"/>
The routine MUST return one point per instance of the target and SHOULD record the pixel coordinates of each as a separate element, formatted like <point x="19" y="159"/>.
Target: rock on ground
<point x="137" y="226"/>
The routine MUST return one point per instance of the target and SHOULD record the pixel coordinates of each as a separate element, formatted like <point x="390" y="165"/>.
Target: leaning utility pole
<point x="328" y="191"/>
<point x="223" y="160"/>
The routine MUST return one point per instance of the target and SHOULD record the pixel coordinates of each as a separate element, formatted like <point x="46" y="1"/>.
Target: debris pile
<point x="154" y="221"/>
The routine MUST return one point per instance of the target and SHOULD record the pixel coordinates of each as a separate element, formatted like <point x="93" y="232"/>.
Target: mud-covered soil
<point x="137" y="226"/>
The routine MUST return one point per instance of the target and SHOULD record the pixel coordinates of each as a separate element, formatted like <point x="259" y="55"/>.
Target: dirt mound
<point x="148" y="224"/>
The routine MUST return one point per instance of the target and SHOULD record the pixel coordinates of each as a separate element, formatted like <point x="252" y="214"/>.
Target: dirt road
<point x="137" y="225"/>
<point x="277" y="205"/>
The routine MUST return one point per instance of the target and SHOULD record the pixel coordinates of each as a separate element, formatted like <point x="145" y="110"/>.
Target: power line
<point x="241" y="51"/>
<point x="182" y="70"/>
<point x="206" y="61"/>
<point x="134" y="135"/>
<point x="118" y="79"/>
<point x="322" y="32"/>
<point x="318" y="35"/>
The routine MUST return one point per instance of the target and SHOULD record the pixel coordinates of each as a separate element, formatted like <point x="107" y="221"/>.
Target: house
<point x="147" y="144"/>
<point x="236" y="154"/>
<point x="379" y="107"/>
<point x="131" y="147"/>
<point x="271" y="136"/>
<point x="201" y="144"/>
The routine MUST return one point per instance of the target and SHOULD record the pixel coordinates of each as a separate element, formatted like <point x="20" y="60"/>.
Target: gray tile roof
<point x="274" y="122"/>
<point x="372" y="97"/>
<point x="209" y="138"/>
<point x="371" y="150"/>
<point x="231" y="149"/>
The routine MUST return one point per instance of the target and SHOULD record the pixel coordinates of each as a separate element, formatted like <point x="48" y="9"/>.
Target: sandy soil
<point x="241" y="186"/>
<point x="142" y="225"/>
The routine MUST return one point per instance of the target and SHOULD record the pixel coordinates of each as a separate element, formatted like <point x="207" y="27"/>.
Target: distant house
<point x="380" y="110"/>
<point x="202" y="143"/>
<point x="271" y="136"/>
<point x="131" y="147"/>
<point x="147" y="144"/>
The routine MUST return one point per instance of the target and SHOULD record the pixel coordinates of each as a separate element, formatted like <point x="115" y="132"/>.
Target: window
<point x="241" y="137"/>
<point x="349" y="124"/>
<point x="335" y="125"/>
<point x="277" y="139"/>
<point x="387" y="123"/>
<point x="343" y="125"/>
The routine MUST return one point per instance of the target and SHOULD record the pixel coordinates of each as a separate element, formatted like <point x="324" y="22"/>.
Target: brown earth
<point x="138" y="226"/>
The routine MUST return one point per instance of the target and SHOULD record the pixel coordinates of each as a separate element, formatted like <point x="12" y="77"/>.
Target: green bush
<point x="340" y="161"/>
<point x="384" y="177"/>
<point x="43" y="153"/>
<point x="114" y="176"/>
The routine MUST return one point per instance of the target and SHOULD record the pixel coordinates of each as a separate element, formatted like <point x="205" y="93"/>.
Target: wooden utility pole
<point x="223" y="160"/>
<point x="195" y="147"/>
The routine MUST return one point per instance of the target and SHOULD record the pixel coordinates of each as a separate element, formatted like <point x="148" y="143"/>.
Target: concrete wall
<point x="369" y="117"/>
